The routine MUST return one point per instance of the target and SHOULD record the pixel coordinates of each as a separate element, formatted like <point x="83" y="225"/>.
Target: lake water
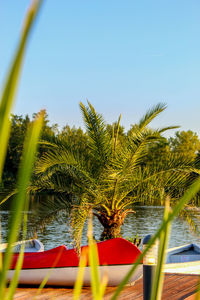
<point x="145" y="221"/>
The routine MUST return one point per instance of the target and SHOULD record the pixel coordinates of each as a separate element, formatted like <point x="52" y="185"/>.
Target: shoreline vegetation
<point x="103" y="169"/>
<point x="184" y="146"/>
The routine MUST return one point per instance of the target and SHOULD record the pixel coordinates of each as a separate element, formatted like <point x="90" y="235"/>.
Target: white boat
<point x="183" y="259"/>
<point x="66" y="276"/>
<point x="60" y="265"/>
<point x="32" y="245"/>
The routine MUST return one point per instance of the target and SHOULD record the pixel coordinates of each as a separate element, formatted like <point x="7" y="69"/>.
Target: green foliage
<point x="134" y="239"/>
<point x="185" y="143"/>
<point x="74" y="139"/>
<point x="19" y="127"/>
<point x="160" y="155"/>
<point x="115" y="173"/>
<point x="99" y="141"/>
<point x="102" y="168"/>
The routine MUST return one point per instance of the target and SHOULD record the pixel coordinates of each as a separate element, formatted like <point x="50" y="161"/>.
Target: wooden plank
<point x="180" y="286"/>
<point x="176" y="287"/>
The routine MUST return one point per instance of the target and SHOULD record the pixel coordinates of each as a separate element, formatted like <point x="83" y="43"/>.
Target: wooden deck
<point x="175" y="287"/>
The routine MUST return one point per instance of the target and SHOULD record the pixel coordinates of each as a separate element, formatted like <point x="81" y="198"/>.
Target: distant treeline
<point x="184" y="144"/>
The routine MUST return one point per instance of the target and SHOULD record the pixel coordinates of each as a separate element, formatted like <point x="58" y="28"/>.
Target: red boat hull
<point x="111" y="252"/>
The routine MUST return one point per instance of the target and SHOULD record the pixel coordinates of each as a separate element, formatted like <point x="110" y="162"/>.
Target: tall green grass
<point x="11" y="83"/>
<point x="19" y="203"/>
<point x="98" y="285"/>
<point x="159" y="275"/>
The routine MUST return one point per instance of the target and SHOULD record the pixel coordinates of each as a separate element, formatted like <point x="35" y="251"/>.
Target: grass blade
<point x="80" y="276"/>
<point x="45" y="280"/>
<point x="93" y="261"/>
<point x="197" y="295"/>
<point x="11" y="83"/>
<point x="1" y="258"/>
<point x="14" y="281"/>
<point x="98" y="288"/>
<point x="159" y="275"/>
<point x="103" y="286"/>
<point x="19" y="202"/>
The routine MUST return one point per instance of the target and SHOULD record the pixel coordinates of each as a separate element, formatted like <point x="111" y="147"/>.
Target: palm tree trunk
<point x="111" y="232"/>
<point x="112" y="224"/>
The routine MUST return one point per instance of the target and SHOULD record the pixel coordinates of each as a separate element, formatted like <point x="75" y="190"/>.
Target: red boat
<point x="116" y="257"/>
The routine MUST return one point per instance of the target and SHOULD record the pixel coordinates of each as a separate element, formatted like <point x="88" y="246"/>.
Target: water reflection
<point x="146" y="221"/>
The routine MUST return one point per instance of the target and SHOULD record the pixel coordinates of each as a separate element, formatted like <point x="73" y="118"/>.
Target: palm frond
<point x="47" y="143"/>
<point x="7" y="195"/>
<point x="135" y="157"/>
<point x="161" y="130"/>
<point x="151" y="114"/>
<point x="115" y="136"/>
<point x="99" y="139"/>
<point x="191" y="218"/>
<point x="56" y="161"/>
<point x="51" y="208"/>
<point x="54" y="158"/>
<point x="78" y="217"/>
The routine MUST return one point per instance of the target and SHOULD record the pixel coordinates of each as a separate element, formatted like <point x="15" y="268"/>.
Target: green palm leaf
<point x="99" y="139"/>
<point x="151" y="114"/>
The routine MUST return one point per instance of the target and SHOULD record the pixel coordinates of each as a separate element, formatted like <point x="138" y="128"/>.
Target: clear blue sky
<point x="123" y="56"/>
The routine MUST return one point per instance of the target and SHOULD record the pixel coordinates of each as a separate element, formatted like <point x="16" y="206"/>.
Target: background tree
<point x="19" y="125"/>
<point x="74" y="139"/>
<point x="185" y="143"/>
<point x="18" y="129"/>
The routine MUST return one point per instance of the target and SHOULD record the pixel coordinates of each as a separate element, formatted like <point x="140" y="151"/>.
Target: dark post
<point x="149" y="266"/>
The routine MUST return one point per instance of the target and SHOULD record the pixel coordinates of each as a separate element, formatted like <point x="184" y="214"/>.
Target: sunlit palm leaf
<point x="96" y="129"/>
<point x="161" y="130"/>
<point x="151" y="114"/>
<point x="79" y="215"/>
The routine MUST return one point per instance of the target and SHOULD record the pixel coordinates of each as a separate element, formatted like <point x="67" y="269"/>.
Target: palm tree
<point x="108" y="182"/>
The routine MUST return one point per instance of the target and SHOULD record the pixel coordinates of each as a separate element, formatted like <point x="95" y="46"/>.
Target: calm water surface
<point x="146" y="221"/>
